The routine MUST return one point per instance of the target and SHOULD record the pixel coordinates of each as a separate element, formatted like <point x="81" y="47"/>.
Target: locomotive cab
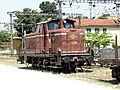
<point x="61" y="35"/>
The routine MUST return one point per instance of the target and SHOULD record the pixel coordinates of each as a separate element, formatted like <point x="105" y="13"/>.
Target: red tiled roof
<point x="96" y="22"/>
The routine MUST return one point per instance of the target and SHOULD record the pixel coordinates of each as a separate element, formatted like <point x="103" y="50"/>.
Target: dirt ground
<point x="98" y="75"/>
<point x="12" y="78"/>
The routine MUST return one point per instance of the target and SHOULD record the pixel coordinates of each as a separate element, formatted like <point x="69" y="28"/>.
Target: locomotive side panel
<point x="38" y="44"/>
<point x="57" y="42"/>
<point x="27" y="43"/>
<point x="42" y="48"/>
<point x="81" y="40"/>
<point x="63" y="41"/>
<point x="72" y="41"/>
<point x="32" y="43"/>
<point x="43" y="39"/>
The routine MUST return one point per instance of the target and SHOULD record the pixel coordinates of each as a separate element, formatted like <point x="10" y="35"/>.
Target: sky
<point x="84" y="9"/>
<point x="13" y="5"/>
<point x="19" y="5"/>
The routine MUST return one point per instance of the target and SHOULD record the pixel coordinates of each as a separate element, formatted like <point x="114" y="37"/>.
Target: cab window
<point x="52" y="25"/>
<point x="38" y="28"/>
<point x="68" y="25"/>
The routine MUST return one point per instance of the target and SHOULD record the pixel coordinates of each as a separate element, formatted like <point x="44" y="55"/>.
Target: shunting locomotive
<point x="55" y="44"/>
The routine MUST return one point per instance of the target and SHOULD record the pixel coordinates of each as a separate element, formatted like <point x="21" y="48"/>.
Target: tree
<point x="47" y="7"/>
<point x="98" y="39"/>
<point x="4" y="36"/>
<point x="15" y="34"/>
<point x="104" y="16"/>
<point x="27" y="19"/>
<point x="35" y="17"/>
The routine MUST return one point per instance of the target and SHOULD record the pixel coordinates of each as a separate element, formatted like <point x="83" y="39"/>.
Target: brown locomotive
<point x="55" y="43"/>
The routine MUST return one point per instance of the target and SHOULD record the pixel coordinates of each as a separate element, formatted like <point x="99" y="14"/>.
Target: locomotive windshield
<point x="68" y="25"/>
<point x="55" y="24"/>
<point x="52" y="25"/>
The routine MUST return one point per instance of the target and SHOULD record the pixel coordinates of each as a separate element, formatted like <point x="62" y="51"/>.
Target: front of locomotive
<point x="68" y="43"/>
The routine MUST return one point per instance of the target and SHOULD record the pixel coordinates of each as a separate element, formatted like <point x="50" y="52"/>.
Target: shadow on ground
<point x="113" y="82"/>
<point x="27" y="68"/>
<point x="56" y="70"/>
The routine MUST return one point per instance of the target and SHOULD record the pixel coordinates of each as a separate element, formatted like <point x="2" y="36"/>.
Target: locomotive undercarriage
<point x="49" y="61"/>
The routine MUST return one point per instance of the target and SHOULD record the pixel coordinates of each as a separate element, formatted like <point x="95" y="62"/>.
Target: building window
<point x="104" y="29"/>
<point x="88" y="30"/>
<point x="96" y="29"/>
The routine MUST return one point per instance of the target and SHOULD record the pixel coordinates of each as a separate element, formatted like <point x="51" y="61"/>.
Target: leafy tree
<point x="35" y="17"/>
<point x="47" y="7"/>
<point x="26" y="19"/>
<point x="98" y="39"/>
<point x="15" y="34"/>
<point x="4" y="36"/>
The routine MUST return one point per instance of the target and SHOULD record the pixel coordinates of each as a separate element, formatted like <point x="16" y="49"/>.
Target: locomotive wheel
<point x="118" y="77"/>
<point x="73" y="69"/>
<point x="33" y="66"/>
<point x="114" y="73"/>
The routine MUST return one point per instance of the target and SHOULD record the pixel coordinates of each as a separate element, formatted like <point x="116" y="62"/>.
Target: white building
<point x="104" y="25"/>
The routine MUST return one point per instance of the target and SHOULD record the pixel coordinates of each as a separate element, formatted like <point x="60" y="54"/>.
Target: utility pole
<point x="22" y="35"/>
<point x="59" y="2"/>
<point x="117" y="12"/>
<point x="11" y="32"/>
<point x="79" y="18"/>
<point x="116" y="50"/>
<point x="90" y="7"/>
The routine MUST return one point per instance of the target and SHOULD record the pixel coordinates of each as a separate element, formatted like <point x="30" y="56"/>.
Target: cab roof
<point x="51" y="20"/>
